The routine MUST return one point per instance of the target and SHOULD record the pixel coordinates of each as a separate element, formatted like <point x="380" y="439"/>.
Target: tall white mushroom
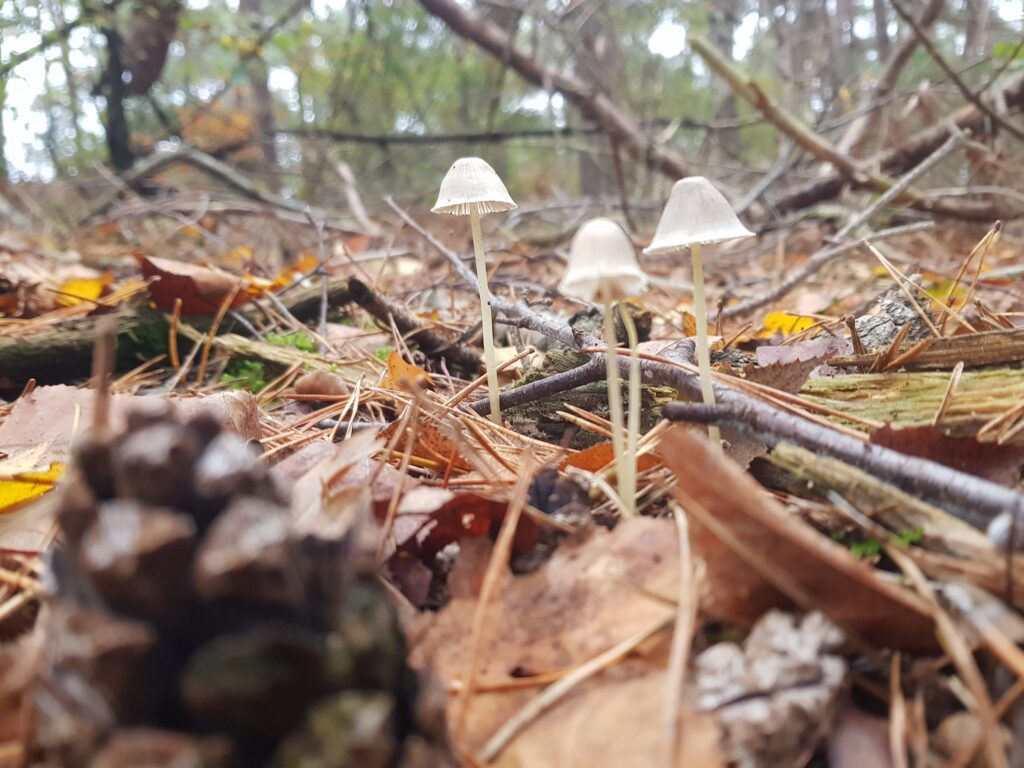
<point x="697" y="214"/>
<point x="471" y="188"/>
<point x="602" y="264"/>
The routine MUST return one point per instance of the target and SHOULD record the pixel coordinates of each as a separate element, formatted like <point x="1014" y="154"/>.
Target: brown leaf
<point x="999" y="463"/>
<point x="201" y="289"/>
<point x="405" y="376"/>
<point x="589" y="597"/>
<point x="769" y="549"/>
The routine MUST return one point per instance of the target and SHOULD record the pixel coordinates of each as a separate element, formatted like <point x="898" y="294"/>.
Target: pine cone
<point x="194" y="622"/>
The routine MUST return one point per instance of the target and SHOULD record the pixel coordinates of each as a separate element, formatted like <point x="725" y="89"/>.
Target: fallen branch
<point x="431" y="342"/>
<point x="914" y="151"/>
<point x="971" y="96"/>
<point x="973" y="499"/>
<point x="620" y="126"/>
<point x="820" y="148"/>
<point x="827" y="255"/>
<point x="213" y="167"/>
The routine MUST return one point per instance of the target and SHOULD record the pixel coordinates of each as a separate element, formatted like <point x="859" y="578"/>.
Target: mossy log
<point x="61" y="353"/>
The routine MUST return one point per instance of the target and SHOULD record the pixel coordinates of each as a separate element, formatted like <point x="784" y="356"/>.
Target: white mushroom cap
<point x="602" y="254"/>
<point x="695" y="213"/>
<point x="471" y="180"/>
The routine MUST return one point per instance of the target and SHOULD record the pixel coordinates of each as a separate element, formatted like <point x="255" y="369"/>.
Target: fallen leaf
<point x="79" y="290"/>
<point x="999" y="463"/>
<point x="600" y="455"/>
<point x="787" y="551"/>
<point x="592" y="595"/>
<point x="201" y="289"/>
<point x="784" y="323"/>
<point x="404" y="376"/>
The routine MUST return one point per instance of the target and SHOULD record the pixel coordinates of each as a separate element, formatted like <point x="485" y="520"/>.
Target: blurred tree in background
<point x="285" y="90"/>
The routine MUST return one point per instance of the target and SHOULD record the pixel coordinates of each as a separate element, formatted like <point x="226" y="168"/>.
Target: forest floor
<point x="835" y="588"/>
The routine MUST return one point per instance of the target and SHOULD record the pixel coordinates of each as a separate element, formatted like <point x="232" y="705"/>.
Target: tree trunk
<point x="265" y="127"/>
<point x="112" y="89"/>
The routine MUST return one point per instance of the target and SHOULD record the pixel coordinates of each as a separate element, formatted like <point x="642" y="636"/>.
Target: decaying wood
<point x="55" y="354"/>
<point x="971" y="349"/>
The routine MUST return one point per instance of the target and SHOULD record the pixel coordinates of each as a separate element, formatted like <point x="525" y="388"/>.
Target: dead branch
<point x="971" y="96"/>
<point x="820" y="148"/>
<point x="827" y="255"/>
<point x="973" y="499"/>
<point x="220" y="170"/>
<point x="431" y="342"/>
<point x="898" y="60"/>
<point x="977" y="501"/>
<point x="617" y="123"/>
<point x="913" y="151"/>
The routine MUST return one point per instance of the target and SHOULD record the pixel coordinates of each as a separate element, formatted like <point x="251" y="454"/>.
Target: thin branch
<point x="613" y="119"/>
<point x="971" y="96"/>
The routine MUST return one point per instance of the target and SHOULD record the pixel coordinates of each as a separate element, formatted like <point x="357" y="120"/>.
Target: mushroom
<point x="697" y="214"/>
<point x="602" y="263"/>
<point x="471" y="187"/>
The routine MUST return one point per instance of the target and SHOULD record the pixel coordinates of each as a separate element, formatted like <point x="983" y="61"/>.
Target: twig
<point x="431" y="342"/>
<point x="971" y="96"/>
<point x="817" y="260"/>
<point x="976" y="501"/>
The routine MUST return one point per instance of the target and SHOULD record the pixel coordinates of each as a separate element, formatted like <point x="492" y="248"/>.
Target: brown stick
<point x="620" y="126"/>
<point x="971" y="96"/>
<point x="913" y="151"/>
<point x="431" y="342"/>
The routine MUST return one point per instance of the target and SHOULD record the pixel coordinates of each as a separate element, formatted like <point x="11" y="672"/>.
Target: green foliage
<point x="383" y="353"/>
<point x="247" y="374"/>
<point x="296" y="339"/>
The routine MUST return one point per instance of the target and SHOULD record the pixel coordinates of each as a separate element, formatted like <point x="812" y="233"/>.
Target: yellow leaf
<point x="20" y="488"/>
<point x="785" y="323"/>
<point x="81" y="289"/>
<point x="689" y="323"/>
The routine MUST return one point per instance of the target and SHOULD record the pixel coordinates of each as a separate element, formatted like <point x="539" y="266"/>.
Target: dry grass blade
<point x="947" y="398"/>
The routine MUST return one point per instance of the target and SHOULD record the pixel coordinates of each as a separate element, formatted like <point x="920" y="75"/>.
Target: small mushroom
<point x="697" y="214"/>
<point x="471" y="187"/>
<point x="602" y="263"/>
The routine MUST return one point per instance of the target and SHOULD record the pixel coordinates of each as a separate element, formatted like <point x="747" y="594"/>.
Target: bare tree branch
<point x="618" y="124"/>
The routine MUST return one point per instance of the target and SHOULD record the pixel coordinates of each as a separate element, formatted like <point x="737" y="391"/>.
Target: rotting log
<point x="60" y="353"/>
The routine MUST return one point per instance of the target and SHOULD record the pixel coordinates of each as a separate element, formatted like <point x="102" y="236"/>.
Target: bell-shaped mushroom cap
<point x="601" y="253"/>
<point x="471" y="180"/>
<point x="695" y="213"/>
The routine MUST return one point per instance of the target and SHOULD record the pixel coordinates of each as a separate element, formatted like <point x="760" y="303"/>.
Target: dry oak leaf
<point x="757" y="556"/>
<point x="592" y="595"/>
<point x="202" y="290"/>
<point x="600" y="455"/>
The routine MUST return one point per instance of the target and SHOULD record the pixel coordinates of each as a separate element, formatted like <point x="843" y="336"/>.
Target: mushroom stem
<point x="485" y="313"/>
<point x="628" y="491"/>
<point x="700" y="309"/>
<point x="614" y="394"/>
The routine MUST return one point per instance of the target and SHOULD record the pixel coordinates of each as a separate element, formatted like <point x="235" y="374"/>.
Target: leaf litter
<point x="542" y="620"/>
